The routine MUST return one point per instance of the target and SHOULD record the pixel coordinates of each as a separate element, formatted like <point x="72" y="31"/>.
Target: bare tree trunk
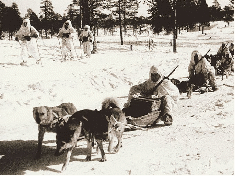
<point x="80" y="3"/>
<point x="120" y="20"/>
<point x="124" y="17"/>
<point x="174" y="32"/>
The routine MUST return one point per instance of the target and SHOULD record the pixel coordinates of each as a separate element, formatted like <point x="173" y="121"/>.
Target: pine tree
<point x="202" y="13"/>
<point x="228" y="14"/>
<point x="162" y="15"/>
<point x="48" y="13"/>
<point x="34" y="20"/>
<point x="2" y="11"/>
<point x="73" y="14"/>
<point x="11" y="19"/>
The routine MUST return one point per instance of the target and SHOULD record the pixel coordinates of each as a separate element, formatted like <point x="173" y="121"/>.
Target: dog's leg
<point x="41" y="132"/>
<point x="119" y="144"/>
<point x="67" y="159"/>
<point x="99" y="142"/>
<point x="111" y="140"/>
<point x="89" y="149"/>
<point x="222" y="74"/>
<point x="227" y="74"/>
<point x="58" y="144"/>
<point x="189" y="90"/>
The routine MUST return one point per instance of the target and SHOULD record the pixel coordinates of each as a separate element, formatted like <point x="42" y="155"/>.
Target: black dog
<point x="183" y="86"/>
<point x="94" y="125"/>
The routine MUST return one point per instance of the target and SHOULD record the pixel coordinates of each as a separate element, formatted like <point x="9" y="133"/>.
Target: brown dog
<point x="48" y="117"/>
<point x="94" y="125"/>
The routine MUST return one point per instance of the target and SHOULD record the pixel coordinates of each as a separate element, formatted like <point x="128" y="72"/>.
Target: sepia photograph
<point x="117" y="87"/>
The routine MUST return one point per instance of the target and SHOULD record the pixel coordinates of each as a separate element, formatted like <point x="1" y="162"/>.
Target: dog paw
<point x="88" y="158"/>
<point x="116" y="149"/>
<point x="63" y="169"/>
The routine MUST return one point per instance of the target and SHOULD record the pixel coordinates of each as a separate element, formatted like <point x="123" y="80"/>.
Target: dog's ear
<point x="36" y="115"/>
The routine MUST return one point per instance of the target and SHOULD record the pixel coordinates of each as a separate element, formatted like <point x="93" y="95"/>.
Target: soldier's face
<point x="66" y="25"/>
<point x="155" y="77"/>
<point x="25" y="24"/>
<point x="196" y="58"/>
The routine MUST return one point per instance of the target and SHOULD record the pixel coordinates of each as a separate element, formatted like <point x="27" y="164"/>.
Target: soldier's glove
<point x="154" y="96"/>
<point x="17" y="39"/>
<point x="66" y="35"/>
<point x="136" y="95"/>
<point x="28" y="38"/>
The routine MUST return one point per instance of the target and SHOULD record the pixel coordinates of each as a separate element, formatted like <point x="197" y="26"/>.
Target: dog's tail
<point x="109" y="103"/>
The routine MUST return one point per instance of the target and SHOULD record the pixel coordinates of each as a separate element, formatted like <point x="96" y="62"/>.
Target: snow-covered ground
<point x="200" y="141"/>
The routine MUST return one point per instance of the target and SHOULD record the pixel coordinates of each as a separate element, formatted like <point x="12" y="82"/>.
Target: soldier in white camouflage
<point x="67" y="33"/>
<point x="201" y="72"/>
<point x="27" y="35"/>
<point x="86" y="39"/>
<point x="167" y="91"/>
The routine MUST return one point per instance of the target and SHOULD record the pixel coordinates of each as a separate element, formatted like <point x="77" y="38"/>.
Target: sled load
<point x="143" y="112"/>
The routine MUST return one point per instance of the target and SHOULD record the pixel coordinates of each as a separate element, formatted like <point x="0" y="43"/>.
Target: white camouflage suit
<point x="86" y="38"/>
<point x="225" y="53"/>
<point x="203" y="69"/>
<point x="27" y="35"/>
<point x="67" y="33"/>
<point x="167" y="91"/>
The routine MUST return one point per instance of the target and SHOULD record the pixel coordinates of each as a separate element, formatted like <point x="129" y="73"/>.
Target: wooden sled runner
<point x="143" y="112"/>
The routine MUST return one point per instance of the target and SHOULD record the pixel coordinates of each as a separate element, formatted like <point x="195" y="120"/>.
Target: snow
<point x="200" y="141"/>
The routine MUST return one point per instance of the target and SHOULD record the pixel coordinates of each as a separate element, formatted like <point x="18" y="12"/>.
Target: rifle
<point x="165" y="77"/>
<point x="144" y="98"/>
<point x="206" y="53"/>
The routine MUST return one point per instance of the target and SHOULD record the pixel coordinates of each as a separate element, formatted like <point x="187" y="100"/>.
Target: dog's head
<point x="43" y="115"/>
<point x="115" y="125"/>
<point x="175" y="81"/>
<point x="67" y="137"/>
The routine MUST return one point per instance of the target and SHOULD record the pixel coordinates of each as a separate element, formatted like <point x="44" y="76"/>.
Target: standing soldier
<point x="86" y="38"/>
<point x="27" y="34"/>
<point x="67" y="33"/>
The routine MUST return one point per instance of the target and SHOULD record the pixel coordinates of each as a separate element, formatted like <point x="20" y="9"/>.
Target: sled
<point x="143" y="112"/>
